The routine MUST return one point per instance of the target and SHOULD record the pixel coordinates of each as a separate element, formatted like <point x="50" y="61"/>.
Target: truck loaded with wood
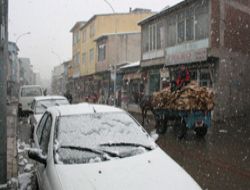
<point x="186" y="108"/>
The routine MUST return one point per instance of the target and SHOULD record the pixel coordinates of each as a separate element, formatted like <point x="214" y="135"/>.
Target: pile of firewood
<point x="190" y="97"/>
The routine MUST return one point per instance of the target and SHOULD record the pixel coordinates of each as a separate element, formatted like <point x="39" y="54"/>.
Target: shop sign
<point x="187" y="57"/>
<point x="132" y="76"/>
<point x="165" y="73"/>
<point x="187" y="53"/>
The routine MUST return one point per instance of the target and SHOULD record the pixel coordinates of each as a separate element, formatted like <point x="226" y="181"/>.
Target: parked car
<point x="40" y="104"/>
<point x="25" y="97"/>
<point x="87" y="146"/>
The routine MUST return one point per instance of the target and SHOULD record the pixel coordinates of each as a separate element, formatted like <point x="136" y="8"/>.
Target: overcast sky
<point x="49" y="22"/>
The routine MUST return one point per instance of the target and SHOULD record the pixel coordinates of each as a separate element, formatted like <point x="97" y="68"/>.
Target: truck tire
<point x="201" y="131"/>
<point x="180" y="130"/>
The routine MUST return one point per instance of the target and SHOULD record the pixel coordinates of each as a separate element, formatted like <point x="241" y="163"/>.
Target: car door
<point x="43" y="139"/>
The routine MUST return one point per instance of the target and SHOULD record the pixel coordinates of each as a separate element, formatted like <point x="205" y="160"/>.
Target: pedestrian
<point x="68" y="95"/>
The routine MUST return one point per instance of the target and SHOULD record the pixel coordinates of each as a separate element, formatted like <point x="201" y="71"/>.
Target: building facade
<point x="26" y="73"/>
<point x="211" y="38"/>
<point x="12" y="70"/>
<point x="85" y="50"/>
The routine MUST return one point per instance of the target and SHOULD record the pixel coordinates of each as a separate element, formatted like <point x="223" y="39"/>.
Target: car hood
<point x="151" y="170"/>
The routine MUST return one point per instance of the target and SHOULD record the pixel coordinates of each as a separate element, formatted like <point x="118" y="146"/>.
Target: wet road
<point x="221" y="160"/>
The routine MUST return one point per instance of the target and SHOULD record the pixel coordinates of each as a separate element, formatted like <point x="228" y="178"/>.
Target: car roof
<point x="82" y="108"/>
<point x="37" y="98"/>
<point x="31" y="86"/>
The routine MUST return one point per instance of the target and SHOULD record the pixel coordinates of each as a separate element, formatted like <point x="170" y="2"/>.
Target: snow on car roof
<point x="48" y="97"/>
<point x="83" y="108"/>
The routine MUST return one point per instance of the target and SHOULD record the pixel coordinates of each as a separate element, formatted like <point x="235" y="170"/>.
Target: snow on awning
<point x="130" y="65"/>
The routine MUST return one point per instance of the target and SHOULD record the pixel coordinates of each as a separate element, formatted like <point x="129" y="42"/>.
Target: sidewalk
<point x="12" y="169"/>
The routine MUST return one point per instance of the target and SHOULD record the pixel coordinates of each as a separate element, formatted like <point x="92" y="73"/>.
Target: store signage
<point x="187" y="53"/>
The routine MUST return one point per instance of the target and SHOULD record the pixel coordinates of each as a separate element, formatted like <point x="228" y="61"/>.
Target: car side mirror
<point x="36" y="154"/>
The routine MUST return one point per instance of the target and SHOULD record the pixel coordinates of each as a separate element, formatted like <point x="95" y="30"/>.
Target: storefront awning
<point x="130" y="65"/>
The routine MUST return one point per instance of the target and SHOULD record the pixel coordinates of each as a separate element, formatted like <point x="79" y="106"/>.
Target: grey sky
<point x="49" y="22"/>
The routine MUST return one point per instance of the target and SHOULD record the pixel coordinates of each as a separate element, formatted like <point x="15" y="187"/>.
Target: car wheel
<point x="201" y="131"/>
<point x="180" y="130"/>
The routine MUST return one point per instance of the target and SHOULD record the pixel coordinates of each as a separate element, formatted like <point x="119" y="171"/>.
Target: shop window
<point x="154" y="83"/>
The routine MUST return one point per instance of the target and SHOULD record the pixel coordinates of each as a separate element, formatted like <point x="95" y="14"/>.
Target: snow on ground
<point x="154" y="135"/>
<point x="22" y="146"/>
<point x="25" y="167"/>
<point x="24" y="180"/>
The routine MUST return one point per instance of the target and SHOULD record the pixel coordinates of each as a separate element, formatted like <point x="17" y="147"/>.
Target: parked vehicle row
<point x="91" y="146"/>
<point x="88" y="146"/>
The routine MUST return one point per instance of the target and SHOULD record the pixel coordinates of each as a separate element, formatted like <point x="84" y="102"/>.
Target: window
<point x="76" y="37"/>
<point x="92" y="30"/>
<point x="171" y="30"/>
<point x="40" y="126"/>
<point x="91" y="55"/>
<point x="153" y="37"/>
<point x="145" y="39"/>
<point x="44" y="141"/>
<point x="84" y="58"/>
<point x="181" y="27"/>
<point x="84" y="35"/>
<point x="101" y="52"/>
<point x="201" y="15"/>
<point x="76" y="59"/>
<point x="189" y="24"/>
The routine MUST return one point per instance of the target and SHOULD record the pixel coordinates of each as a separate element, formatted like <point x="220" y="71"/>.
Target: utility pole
<point x="3" y="71"/>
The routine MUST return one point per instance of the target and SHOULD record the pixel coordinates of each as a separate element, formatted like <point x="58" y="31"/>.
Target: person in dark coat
<point x="183" y="78"/>
<point x="68" y="95"/>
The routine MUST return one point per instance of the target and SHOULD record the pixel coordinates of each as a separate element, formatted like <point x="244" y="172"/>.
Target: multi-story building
<point x="57" y="80"/>
<point x="211" y="38"/>
<point x="26" y="75"/>
<point x="12" y="70"/>
<point x="85" y="52"/>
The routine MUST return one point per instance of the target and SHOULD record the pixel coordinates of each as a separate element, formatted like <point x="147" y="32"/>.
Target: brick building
<point x="212" y="38"/>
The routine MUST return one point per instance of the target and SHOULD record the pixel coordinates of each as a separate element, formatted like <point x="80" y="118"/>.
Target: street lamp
<point x="21" y="35"/>
<point x="114" y="69"/>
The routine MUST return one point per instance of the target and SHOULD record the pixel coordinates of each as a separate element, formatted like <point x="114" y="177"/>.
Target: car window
<point x="42" y="105"/>
<point x="44" y="141"/>
<point x="35" y="91"/>
<point x="40" y="126"/>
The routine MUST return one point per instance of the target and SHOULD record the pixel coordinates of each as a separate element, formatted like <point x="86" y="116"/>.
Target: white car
<point x="25" y="97"/>
<point x="99" y="147"/>
<point x="40" y="104"/>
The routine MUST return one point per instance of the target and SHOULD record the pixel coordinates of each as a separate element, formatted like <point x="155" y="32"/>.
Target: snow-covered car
<point x="88" y="146"/>
<point x="40" y="104"/>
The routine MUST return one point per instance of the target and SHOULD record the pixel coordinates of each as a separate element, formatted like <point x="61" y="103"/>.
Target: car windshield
<point x="42" y="105"/>
<point x="34" y="91"/>
<point x="81" y="138"/>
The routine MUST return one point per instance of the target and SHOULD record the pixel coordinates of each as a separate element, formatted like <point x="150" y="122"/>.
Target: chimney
<point x="130" y="9"/>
